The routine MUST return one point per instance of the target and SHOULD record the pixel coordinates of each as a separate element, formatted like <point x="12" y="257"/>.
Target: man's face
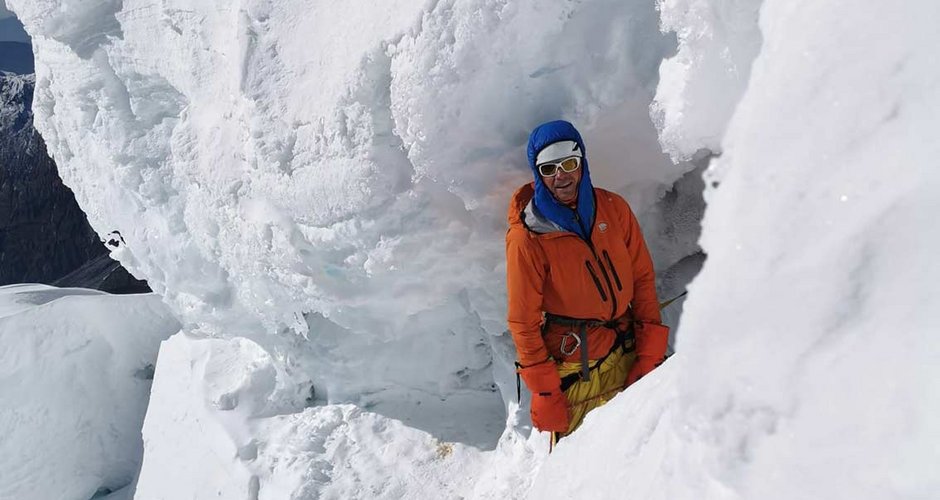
<point x="564" y="185"/>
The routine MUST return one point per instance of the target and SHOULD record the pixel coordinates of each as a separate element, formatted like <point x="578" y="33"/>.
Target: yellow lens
<point x="548" y="169"/>
<point x="571" y="164"/>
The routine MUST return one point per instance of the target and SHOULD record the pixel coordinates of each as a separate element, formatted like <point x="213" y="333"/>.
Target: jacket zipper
<point x="613" y="270"/>
<point x="590" y="244"/>
<point x="597" y="282"/>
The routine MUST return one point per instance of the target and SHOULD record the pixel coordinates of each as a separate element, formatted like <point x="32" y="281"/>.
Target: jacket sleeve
<point x="645" y="302"/>
<point x="525" y="274"/>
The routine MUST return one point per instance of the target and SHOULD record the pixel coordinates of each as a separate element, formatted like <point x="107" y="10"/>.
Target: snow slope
<point x="75" y="373"/>
<point x="808" y="350"/>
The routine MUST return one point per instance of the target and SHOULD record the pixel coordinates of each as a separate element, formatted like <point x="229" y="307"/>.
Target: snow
<point x="236" y="445"/>
<point x="807" y="346"/>
<point x="317" y="191"/>
<point x="701" y="85"/>
<point x="75" y="369"/>
<point x="622" y="449"/>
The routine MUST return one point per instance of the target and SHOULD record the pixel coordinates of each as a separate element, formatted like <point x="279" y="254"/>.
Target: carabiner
<point x="564" y="342"/>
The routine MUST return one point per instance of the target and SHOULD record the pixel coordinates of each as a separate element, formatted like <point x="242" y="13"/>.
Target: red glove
<point x="549" y="404"/>
<point x="651" y="341"/>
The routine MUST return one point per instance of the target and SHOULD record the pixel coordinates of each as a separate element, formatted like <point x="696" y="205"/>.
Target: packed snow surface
<point x="75" y="373"/>
<point x="317" y="190"/>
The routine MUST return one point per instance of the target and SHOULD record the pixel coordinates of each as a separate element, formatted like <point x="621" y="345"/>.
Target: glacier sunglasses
<point x="550" y="169"/>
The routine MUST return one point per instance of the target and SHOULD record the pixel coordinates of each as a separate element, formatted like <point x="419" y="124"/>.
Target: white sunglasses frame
<point x="558" y="166"/>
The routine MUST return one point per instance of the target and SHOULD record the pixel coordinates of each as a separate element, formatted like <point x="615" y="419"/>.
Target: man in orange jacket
<point x="583" y="310"/>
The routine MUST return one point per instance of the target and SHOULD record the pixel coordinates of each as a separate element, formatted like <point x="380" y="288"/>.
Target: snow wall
<point x="808" y="353"/>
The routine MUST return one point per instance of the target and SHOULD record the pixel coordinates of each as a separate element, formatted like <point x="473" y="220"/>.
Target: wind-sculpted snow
<point x="261" y="163"/>
<point x="808" y="365"/>
<point x="701" y="85"/>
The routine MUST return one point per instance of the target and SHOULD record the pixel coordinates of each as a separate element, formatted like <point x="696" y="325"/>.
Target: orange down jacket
<point x="550" y="270"/>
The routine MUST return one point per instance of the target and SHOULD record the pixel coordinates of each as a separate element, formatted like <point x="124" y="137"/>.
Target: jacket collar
<point x="537" y="223"/>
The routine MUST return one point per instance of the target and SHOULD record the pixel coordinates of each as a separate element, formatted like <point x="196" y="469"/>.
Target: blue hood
<point x="542" y="136"/>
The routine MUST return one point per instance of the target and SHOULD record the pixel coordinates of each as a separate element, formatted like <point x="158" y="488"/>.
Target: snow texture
<point x="808" y="353"/>
<point x="75" y="373"/>
<point x="701" y="85"/>
<point x="328" y="451"/>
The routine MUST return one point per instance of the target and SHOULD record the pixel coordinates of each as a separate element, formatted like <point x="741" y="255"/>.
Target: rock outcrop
<point x="44" y="235"/>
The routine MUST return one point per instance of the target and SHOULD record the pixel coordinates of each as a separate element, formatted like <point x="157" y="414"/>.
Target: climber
<point x="583" y="310"/>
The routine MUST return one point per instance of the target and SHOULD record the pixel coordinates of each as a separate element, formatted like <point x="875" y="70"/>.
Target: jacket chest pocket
<point x="596" y="279"/>
<point x="619" y="266"/>
<point x="613" y="269"/>
<point x="582" y="282"/>
<point x="575" y="281"/>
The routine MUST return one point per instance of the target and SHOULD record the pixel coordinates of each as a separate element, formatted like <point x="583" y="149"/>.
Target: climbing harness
<point x="571" y="341"/>
<point x="577" y="338"/>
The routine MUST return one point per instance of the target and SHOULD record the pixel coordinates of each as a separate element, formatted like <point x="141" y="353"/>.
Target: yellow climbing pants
<point x="607" y="380"/>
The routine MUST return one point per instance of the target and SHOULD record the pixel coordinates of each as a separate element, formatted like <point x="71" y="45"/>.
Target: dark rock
<point x="105" y="274"/>
<point x="44" y="235"/>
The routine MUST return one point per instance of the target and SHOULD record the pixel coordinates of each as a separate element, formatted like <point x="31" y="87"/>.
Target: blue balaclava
<point x="543" y="136"/>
